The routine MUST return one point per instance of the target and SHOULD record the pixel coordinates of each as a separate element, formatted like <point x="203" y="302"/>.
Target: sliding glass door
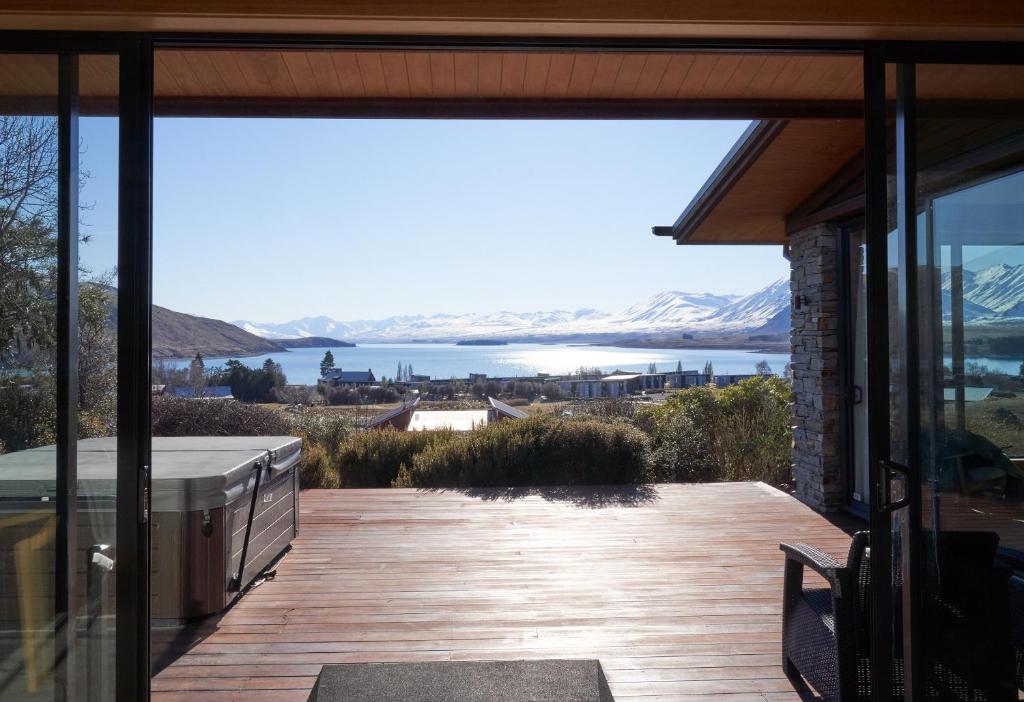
<point x="953" y="474"/>
<point x="63" y="335"/>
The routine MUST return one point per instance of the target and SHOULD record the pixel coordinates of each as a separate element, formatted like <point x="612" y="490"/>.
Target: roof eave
<point x="744" y="153"/>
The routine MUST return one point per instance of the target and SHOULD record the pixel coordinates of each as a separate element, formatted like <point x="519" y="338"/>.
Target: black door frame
<point x="135" y="265"/>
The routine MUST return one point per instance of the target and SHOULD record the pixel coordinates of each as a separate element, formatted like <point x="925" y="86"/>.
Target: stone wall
<point x="817" y="426"/>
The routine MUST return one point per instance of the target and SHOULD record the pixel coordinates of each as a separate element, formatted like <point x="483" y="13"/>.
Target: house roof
<point x="783" y="175"/>
<point x="774" y="167"/>
<point x="344" y="376"/>
<point x="507" y="410"/>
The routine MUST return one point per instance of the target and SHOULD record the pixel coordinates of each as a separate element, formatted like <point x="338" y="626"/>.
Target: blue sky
<point x="272" y="220"/>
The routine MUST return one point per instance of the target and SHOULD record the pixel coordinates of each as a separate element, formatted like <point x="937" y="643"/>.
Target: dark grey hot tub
<point x="223" y="508"/>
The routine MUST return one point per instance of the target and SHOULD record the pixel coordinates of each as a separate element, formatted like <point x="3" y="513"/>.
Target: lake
<point x="302" y="366"/>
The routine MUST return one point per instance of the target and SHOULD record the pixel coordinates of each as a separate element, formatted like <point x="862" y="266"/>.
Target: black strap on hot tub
<point x="236" y="582"/>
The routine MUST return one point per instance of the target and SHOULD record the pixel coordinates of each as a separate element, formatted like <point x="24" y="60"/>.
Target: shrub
<point x="176" y="416"/>
<point x="740" y="432"/>
<point x="317" y="470"/>
<point x="319" y="426"/>
<point x="540" y="450"/>
<point x="374" y="458"/>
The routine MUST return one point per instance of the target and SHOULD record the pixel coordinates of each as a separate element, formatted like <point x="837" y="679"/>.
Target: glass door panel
<point x="58" y="390"/>
<point x="960" y="316"/>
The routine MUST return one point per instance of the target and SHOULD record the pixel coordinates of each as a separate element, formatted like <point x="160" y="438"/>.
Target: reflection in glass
<point x="970" y="181"/>
<point x="28" y="334"/>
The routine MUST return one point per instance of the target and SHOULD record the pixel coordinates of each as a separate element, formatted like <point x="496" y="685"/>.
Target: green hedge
<point x="541" y="450"/>
<point x="374" y="458"/>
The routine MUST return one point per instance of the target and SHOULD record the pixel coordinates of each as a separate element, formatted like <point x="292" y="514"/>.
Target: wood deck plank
<point x="677" y="589"/>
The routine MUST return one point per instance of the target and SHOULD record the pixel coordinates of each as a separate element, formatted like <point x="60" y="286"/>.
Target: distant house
<point x="623" y="384"/>
<point x="336" y="377"/>
<point x="209" y="392"/>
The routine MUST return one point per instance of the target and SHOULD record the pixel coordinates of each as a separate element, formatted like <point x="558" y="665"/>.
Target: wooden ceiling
<point x="759" y="184"/>
<point x="434" y="83"/>
<point x="469" y="74"/>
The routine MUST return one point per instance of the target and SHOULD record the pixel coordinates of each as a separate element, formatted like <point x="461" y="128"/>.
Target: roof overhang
<point x="774" y="167"/>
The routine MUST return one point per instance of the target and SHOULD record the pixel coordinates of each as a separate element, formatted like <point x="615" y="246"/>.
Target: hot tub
<point x="223" y="508"/>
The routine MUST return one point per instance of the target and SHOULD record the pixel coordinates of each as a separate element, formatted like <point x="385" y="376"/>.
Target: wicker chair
<point x="968" y="635"/>
<point x="825" y="630"/>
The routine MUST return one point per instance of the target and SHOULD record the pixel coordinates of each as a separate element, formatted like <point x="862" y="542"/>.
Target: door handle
<point x="893" y="471"/>
<point x="857" y="395"/>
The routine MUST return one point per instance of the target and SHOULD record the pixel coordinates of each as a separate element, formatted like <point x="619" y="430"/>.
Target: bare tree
<point x="28" y="238"/>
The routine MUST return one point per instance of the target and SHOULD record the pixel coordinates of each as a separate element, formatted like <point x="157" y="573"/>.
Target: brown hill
<point x="180" y="335"/>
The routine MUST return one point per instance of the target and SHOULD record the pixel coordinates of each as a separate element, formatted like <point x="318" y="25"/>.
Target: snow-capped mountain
<point x="754" y="310"/>
<point x="993" y="294"/>
<point x="666" y="312"/>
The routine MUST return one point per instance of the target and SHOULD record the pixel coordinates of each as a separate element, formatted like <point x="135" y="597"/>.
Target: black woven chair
<point x="825" y="630"/>
<point x="970" y="644"/>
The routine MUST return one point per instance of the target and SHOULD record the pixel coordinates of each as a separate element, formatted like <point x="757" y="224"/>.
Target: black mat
<point x="464" y="681"/>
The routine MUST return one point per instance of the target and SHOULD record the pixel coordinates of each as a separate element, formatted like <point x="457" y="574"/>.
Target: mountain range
<point x="667" y="312"/>
<point x="993" y="294"/>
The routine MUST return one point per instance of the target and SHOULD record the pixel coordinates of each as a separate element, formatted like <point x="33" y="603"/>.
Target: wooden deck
<point x="676" y="589"/>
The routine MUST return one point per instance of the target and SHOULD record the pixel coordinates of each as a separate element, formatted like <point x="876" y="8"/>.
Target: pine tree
<point x="197" y="372"/>
<point x="679" y="367"/>
<point x="398" y="373"/>
<point x="652" y="368"/>
<point x="408" y="371"/>
<point x="709" y="369"/>
<point x="327" y="364"/>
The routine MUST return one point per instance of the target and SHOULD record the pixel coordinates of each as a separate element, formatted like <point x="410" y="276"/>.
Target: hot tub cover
<point x="189" y="472"/>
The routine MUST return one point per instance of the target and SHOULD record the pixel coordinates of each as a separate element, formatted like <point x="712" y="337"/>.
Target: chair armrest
<point x="817" y="560"/>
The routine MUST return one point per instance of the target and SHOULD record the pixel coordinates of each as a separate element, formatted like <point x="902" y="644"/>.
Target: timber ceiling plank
<point x="299" y="70"/>
<point x="679" y="67"/>
<point x="417" y="64"/>
<point x="490" y="73"/>
<point x="559" y="75"/>
<point x="629" y="74"/>
<point x="467" y="74"/>
<point x="747" y="71"/>
<point x="583" y="68"/>
<point x="324" y="75"/>
<point x="536" y="78"/>
<point x="372" y="71"/>
<point x="651" y="75"/>
<point x="442" y="74"/>
<point x="695" y="78"/>
<point x="607" y="70"/>
<point x="396" y="77"/>
<point x="513" y="74"/>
